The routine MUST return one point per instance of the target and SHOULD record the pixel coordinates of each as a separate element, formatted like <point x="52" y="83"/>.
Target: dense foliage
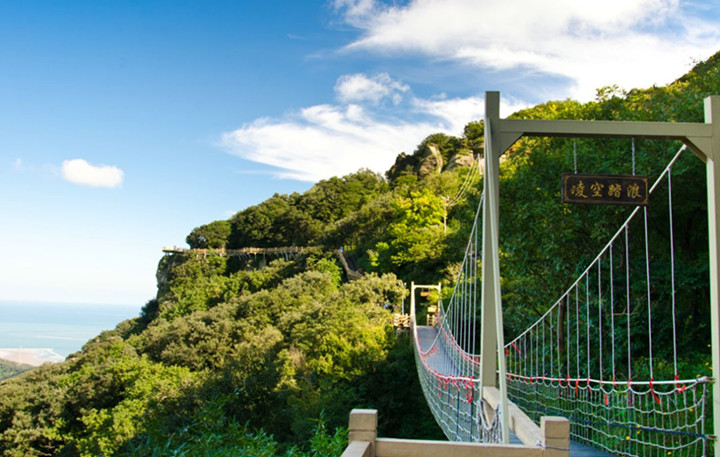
<point x="9" y="369"/>
<point x="238" y="357"/>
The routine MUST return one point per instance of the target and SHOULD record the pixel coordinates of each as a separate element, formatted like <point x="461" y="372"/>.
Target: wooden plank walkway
<point x="441" y="363"/>
<point x="283" y="250"/>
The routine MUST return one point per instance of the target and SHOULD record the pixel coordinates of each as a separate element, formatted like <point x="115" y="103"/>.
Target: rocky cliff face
<point x="460" y="160"/>
<point x="164" y="271"/>
<point x="427" y="159"/>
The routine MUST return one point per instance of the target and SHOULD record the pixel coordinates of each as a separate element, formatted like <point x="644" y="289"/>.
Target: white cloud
<point x="457" y="112"/>
<point x="326" y="140"/>
<point x="78" y="171"/>
<point x="359" y="88"/>
<point x="18" y="165"/>
<point x="633" y="43"/>
<point x="332" y="140"/>
<point x="355" y="11"/>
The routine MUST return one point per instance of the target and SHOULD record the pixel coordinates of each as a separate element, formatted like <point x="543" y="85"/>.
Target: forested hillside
<point x="9" y="369"/>
<point x="234" y="357"/>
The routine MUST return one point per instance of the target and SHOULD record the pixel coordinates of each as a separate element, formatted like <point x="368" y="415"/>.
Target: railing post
<point x="555" y="433"/>
<point x="362" y="433"/>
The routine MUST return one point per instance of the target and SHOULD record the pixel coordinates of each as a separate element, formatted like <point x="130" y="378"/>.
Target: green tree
<point x="213" y="235"/>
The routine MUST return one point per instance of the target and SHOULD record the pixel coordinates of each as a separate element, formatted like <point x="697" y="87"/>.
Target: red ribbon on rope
<point x="652" y="391"/>
<point x="679" y="388"/>
<point x="630" y="398"/>
<point x="516" y="348"/>
<point x="469" y="390"/>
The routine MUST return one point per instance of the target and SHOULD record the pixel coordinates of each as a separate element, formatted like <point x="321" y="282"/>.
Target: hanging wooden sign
<point x="605" y="189"/>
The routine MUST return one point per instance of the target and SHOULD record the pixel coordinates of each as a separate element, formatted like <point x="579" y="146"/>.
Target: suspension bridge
<point x="584" y="379"/>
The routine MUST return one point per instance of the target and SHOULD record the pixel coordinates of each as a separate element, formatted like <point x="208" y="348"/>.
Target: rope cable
<point x="575" y="154"/>
<point x="577" y="332"/>
<point x="612" y="313"/>
<point x="567" y="340"/>
<point x="649" y="301"/>
<point x="627" y="289"/>
<point x="600" y="329"/>
<point x="587" y="320"/>
<point x="672" y="269"/>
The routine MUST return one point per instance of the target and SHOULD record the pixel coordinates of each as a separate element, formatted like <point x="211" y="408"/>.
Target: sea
<point x="62" y="327"/>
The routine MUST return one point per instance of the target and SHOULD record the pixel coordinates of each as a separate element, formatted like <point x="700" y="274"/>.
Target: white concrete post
<point x="712" y="116"/>
<point x="488" y="343"/>
<point x="491" y="348"/>
<point x="362" y="433"/>
<point x="555" y="433"/>
<point x="412" y="301"/>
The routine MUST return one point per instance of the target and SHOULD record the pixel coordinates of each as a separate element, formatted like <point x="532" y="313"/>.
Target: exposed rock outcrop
<point x="460" y="159"/>
<point x="428" y="159"/>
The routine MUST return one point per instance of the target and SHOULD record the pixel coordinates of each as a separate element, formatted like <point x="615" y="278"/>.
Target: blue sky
<point x="124" y="125"/>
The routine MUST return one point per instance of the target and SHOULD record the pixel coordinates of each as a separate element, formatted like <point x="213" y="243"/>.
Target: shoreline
<point x="30" y="356"/>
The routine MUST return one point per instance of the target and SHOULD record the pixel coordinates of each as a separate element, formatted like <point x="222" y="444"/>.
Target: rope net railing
<point x="593" y="357"/>
<point x="446" y="356"/>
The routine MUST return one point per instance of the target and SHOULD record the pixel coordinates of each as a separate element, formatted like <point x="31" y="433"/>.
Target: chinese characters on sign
<point x="605" y="189"/>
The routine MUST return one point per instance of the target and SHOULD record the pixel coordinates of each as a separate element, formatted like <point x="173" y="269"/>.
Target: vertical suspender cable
<point x="587" y="317"/>
<point x="460" y="338"/>
<point x="474" y="294"/>
<point x="537" y="351"/>
<point x="552" y="353"/>
<point x="577" y="333"/>
<point x="575" y="154"/>
<point x="612" y="311"/>
<point x="600" y="326"/>
<point x="649" y="300"/>
<point x="567" y="339"/>
<point x="672" y="267"/>
<point x="627" y="289"/>
<point x="543" y="348"/>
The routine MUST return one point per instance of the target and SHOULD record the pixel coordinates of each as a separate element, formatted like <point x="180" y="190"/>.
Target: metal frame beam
<point x="414" y="286"/>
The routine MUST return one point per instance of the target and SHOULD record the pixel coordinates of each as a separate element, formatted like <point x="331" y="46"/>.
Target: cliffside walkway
<point x="348" y="265"/>
<point x="289" y="252"/>
<point x="249" y="251"/>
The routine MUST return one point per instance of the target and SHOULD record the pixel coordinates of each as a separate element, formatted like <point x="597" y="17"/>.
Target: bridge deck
<point x="440" y="362"/>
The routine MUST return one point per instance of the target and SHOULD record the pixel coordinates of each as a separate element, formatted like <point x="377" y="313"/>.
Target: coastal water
<point x="64" y="328"/>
